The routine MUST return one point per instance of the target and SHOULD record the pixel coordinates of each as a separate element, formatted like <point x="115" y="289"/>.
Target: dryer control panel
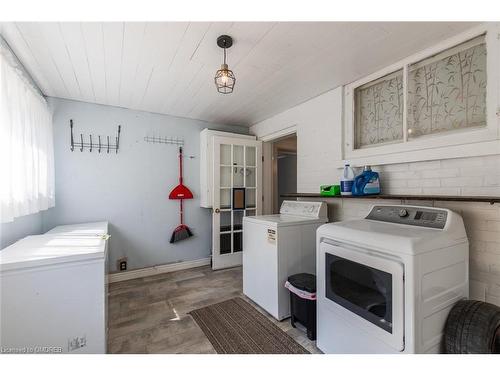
<point x="417" y="216"/>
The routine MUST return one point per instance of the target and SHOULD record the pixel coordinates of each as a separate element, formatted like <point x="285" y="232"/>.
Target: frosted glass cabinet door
<point x="250" y="177"/>
<point x="250" y="156"/>
<point x="225" y="176"/>
<point x="236" y="170"/>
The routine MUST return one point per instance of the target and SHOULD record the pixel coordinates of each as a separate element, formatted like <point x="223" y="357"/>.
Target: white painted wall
<point x="319" y="123"/>
<point x="19" y="228"/>
<point x="130" y="189"/>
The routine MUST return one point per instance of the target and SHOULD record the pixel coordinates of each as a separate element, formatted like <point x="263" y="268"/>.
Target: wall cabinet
<point x="207" y="162"/>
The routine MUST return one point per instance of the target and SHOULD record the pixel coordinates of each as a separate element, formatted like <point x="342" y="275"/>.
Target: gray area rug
<point x="236" y="327"/>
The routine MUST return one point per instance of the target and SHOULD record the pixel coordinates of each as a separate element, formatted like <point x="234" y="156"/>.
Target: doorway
<point x="284" y="169"/>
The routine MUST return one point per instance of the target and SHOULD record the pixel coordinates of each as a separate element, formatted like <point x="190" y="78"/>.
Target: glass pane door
<point x="250" y="180"/>
<point x="236" y="188"/>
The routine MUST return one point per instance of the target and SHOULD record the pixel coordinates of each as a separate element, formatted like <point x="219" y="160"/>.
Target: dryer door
<point x="367" y="289"/>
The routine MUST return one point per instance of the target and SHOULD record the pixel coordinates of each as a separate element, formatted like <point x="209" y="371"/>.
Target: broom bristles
<point x="181" y="233"/>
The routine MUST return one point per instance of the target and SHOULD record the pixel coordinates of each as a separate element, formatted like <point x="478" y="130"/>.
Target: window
<point x="445" y="92"/>
<point x="439" y="103"/>
<point x="26" y="143"/>
<point x="448" y="91"/>
<point x="379" y="111"/>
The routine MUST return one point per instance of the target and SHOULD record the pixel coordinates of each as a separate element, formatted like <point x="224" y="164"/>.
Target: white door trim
<point x="279" y="133"/>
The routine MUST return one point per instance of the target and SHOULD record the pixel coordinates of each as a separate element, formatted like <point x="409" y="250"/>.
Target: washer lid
<point x="282" y="220"/>
<point x="394" y="238"/>
<point x="294" y="213"/>
<point x="52" y="248"/>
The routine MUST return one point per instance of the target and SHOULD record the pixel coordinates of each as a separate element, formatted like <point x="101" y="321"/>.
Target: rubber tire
<point x="471" y="328"/>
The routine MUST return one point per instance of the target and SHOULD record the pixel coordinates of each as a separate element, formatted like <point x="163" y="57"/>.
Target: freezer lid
<point x="95" y="228"/>
<point x="52" y="248"/>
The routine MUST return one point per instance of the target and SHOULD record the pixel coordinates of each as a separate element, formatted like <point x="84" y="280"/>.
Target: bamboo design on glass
<point x="448" y="91"/>
<point x="379" y="111"/>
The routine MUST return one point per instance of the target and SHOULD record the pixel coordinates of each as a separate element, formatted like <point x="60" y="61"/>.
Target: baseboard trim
<point x="156" y="270"/>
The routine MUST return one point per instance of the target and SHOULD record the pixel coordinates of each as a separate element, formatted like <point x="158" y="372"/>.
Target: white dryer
<point x="277" y="246"/>
<point x="386" y="283"/>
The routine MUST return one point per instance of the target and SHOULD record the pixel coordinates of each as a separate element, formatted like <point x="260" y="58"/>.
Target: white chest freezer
<point x="53" y="291"/>
<point x="278" y="246"/>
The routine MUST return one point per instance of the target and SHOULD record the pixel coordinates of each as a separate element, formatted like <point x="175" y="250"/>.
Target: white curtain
<point x="26" y="143"/>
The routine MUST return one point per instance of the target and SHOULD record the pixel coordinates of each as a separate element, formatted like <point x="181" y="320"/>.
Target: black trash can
<point x="302" y="287"/>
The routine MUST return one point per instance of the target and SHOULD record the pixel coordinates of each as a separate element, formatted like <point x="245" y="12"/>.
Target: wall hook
<point x="118" y="138"/>
<point x="164" y="140"/>
<point x="91" y="145"/>
<point x="72" y="143"/>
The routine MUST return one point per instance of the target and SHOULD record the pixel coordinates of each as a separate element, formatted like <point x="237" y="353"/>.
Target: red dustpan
<point x="180" y="191"/>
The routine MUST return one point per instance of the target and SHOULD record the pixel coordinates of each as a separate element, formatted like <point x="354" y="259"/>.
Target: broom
<point x="182" y="231"/>
<point x="181" y="192"/>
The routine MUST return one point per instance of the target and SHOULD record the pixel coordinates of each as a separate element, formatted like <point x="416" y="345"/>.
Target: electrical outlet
<point x="122" y="264"/>
<point x="77" y="343"/>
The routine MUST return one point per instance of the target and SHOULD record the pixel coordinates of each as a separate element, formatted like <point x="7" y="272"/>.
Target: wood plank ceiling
<point x="168" y="67"/>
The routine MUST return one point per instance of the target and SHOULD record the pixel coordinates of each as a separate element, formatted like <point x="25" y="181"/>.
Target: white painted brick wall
<point x="463" y="176"/>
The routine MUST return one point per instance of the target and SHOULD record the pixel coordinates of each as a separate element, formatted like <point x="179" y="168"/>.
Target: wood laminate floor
<point x="150" y="314"/>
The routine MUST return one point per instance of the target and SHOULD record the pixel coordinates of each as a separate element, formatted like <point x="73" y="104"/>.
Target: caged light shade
<point x="224" y="77"/>
<point x="224" y="80"/>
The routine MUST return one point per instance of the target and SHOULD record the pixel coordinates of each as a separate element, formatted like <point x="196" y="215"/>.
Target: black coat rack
<point x="91" y="145"/>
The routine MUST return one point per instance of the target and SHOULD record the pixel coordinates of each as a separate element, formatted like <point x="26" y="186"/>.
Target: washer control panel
<point x="418" y="216"/>
<point x="302" y="208"/>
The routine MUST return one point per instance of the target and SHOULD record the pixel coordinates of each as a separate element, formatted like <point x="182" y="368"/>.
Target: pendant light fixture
<point x="224" y="78"/>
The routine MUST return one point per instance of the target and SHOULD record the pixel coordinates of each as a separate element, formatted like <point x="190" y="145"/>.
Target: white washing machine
<point x="386" y="283"/>
<point x="277" y="246"/>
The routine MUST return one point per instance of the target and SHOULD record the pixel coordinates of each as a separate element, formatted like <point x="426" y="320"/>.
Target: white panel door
<point x="237" y="166"/>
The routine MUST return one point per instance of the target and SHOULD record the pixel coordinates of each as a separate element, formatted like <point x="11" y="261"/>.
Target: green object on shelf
<point x="329" y="190"/>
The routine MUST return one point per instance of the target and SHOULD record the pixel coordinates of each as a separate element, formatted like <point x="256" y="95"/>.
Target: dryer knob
<point x="403" y="213"/>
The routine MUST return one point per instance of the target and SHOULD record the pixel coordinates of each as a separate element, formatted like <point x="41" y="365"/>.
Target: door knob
<point x="217" y="210"/>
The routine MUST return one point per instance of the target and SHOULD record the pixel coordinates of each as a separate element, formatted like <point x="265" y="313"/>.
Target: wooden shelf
<point x="490" y="200"/>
